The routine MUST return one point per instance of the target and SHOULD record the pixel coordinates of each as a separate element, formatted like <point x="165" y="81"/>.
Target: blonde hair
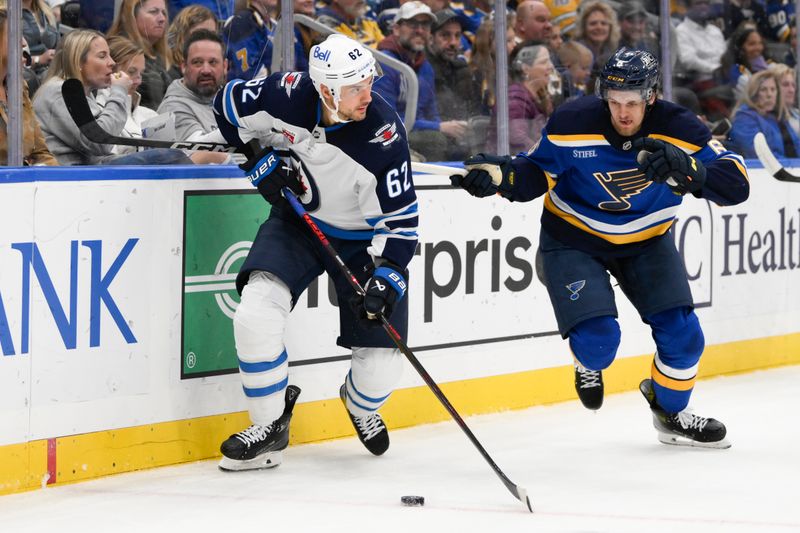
<point x="123" y="50"/>
<point x="40" y="6"/>
<point x="125" y="25"/>
<point x="71" y="55"/>
<point x="186" y="18"/>
<point x="583" y="16"/>
<point x="781" y="70"/>
<point x="572" y="52"/>
<point x="750" y="95"/>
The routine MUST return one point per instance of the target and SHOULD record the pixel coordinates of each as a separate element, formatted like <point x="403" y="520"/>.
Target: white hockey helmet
<point x="339" y="61"/>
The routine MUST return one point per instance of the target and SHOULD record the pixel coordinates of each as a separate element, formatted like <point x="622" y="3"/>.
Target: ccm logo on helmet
<point x="322" y="55"/>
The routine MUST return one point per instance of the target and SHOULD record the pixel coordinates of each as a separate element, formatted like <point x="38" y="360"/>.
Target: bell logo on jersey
<point x="290" y="80"/>
<point x="386" y="135"/>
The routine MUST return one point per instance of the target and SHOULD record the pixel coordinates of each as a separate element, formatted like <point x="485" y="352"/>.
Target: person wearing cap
<point x="633" y="28"/>
<point x="411" y="32"/>
<point x="348" y="17"/>
<point x="456" y="94"/>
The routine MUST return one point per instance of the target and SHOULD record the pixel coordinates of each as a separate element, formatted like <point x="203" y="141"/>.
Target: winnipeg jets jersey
<point x="357" y="174"/>
<point x="597" y="199"/>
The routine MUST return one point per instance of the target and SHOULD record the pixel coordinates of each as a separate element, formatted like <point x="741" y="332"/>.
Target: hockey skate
<point x="684" y="428"/>
<point x="259" y="447"/>
<point x="370" y="429"/>
<point x="589" y="386"/>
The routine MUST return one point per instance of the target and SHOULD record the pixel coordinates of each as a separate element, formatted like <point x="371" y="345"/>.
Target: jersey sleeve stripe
<point x="578" y="140"/>
<point x="230" y="107"/>
<point x="403" y="212"/>
<point x="687" y="147"/>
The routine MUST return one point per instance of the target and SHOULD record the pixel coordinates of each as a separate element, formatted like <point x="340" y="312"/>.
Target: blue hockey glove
<point x="267" y="172"/>
<point x="383" y="290"/>
<point x="486" y="175"/>
<point x="663" y="162"/>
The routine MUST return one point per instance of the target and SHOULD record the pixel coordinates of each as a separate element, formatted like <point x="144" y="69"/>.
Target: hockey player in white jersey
<point x="345" y="155"/>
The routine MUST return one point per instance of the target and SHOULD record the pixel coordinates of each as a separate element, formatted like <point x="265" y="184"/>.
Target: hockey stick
<point x="770" y="162"/>
<point x="520" y="493"/>
<point x="78" y="107"/>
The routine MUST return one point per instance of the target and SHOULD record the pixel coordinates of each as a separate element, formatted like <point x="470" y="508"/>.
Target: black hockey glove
<point x="663" y="162"/>
<point x="486" y="175"/>
<point x="267" y="172"/>
<point x="383" y="290"/>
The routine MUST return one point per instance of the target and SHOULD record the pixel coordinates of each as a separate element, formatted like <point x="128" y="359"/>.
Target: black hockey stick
<point x="520" y="493"/>
<point x="78" y="107"/>
<point x="770" y="162"/>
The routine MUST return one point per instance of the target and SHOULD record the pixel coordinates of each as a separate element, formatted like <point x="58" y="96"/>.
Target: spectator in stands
<point x="482" y="61"/>
<point x="187" y="21"/>
<point x="762" y="110"/>
<point x="34" y="148"/>
<point x="129" y="58"/>
<point x="700" y="47"/>
<point x="304" y="37"/>
<point x="529" y="102"/>
<point x="40" y="29"/>
<point x="633" y="28"/>
<point x="349" y="17"/>
<point x="564" y="14"/>
<point x="533" y="22"/>
<point x="189" y="99"/>
<point x="743" y="57"/>
<point x="555" y="41"/>
<point x="598" y="30"/>
<point x="735" y="13"/>
<point x="222" y="10"/>
<point x="456" y="97"/>
<point x="84" y="55"/>
<point x="410" y="34"/>
<point x="576" y="59"/>
<point x="787" y="84"/>
<point x="249" y="37"/>
<point x="145" y="23"/>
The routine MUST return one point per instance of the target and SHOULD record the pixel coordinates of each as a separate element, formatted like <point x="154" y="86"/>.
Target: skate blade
<point x="677" y="440"/>
<point x="266" y="460"/>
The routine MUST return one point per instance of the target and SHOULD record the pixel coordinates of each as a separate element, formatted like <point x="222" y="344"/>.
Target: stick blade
<point x="522" y="495"/>
<point x="771" y="162"/>
<point x="76" y="102"/>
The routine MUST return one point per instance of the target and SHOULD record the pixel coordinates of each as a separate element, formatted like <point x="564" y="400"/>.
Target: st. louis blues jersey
<point x="597" y="200"/>
<point x="357" y="174"/>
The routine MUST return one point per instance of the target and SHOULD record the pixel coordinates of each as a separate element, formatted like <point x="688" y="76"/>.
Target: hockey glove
<point x="663" y="162"/>
<point x="383" y="290"/>
<point x="267" y="172"/>
<point x="486" y="175"/>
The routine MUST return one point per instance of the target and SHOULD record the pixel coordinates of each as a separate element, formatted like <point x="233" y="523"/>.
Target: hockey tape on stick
<point x="442" y="170"/>
<point x="771" y="162"/>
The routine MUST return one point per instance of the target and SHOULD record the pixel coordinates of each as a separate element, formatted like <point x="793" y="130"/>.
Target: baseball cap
<point x="409" y="10"/>
<point x="443" y="17"/>
<point x="629" y="9"/>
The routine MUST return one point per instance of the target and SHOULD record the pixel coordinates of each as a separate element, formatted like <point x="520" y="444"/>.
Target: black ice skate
<point x="260" y="447"/>
<point x="589" y="386"/>
<point x="370" y="429"/>
<point x="684" y="428"/>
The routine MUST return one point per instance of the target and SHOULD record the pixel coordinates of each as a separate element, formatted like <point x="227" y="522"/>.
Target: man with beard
<point x="455" y="92"/>
<point x="189" y="98"/>
<point x="430" y="136"/>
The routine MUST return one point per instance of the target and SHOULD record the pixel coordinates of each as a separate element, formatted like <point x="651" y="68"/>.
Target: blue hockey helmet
<point x="629" y="70"/>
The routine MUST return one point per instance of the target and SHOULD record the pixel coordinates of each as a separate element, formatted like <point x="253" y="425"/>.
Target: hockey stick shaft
<point x="770" y="162"/>
<point x="518" y="492"/>
<point x="78" y="107"/>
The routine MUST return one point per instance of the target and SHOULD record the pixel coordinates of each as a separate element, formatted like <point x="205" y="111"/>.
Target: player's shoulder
<point x="585" y="115"/>
<point x="674" y="121"/>
<point x="378" y="141"/>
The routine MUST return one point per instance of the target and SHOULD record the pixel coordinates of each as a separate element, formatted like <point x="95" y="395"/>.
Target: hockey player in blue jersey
<point x="348" y="162"/>
<point x="605" y="212"/>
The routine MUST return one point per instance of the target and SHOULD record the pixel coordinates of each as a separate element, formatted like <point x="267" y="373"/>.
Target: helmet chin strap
<point x="335" y="109"/>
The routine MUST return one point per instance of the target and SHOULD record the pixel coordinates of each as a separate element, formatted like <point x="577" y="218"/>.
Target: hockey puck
<point x="413" y="501"/>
